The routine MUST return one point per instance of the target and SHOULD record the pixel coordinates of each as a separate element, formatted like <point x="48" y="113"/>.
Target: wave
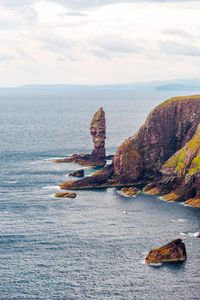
<point x="191" y="234"/>
<point x="51" y="187"/>
<point x="178" y="220"/>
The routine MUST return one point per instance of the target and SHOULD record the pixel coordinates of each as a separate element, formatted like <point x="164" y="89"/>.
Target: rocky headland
<point x="163" y="156"/>
<point x="98" y="156"/>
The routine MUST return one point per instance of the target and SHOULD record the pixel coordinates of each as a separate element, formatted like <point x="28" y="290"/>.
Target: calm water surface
<point x="88" y="247"/>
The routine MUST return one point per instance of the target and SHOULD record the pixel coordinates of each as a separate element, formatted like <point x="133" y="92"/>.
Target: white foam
<point x="191" y="234"/>
<point x="124" y="195"/>
<point x="52" y="158"/>
<point x="153" y="265"/>
<point x="10" y="181"/>
<point x="51" y="187"/>
<point x="178" y="220"/>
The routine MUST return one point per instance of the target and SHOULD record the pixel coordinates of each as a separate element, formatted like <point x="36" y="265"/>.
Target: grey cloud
<point x="101" y="53"/>
<point x="75" y="14"/>
<point x="23" y="7"/>
<point x="107" y="45"/>
<point x="6" y="57"/>
<point x="173" y="48"/>
<point x="178" y="32"/>
<point x="65" y="47"/>
<point x="84" y="4"/>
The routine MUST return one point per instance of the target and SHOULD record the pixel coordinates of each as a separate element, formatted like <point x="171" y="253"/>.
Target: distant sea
<point x="94" y="246"/>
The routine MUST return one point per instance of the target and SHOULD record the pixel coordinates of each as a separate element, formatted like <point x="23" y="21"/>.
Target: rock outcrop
<point x="164" y="155"/>
<point x="172" y="252"/>
<point x="98" y="156"/>
<point x="66" y="195"/>
<point x="130" y="191"/>
<point x="79" y="173"/>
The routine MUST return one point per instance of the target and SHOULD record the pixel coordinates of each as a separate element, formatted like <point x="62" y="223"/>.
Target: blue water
<point x="88" y="247"/>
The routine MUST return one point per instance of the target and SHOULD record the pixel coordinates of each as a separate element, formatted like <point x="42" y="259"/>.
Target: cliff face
<point x="182" y="171"/>
<point x="167" y="129"/>
<point x="164" y="154"/>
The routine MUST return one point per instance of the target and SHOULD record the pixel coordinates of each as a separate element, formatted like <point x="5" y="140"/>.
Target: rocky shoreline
<point x="163" y="156"/>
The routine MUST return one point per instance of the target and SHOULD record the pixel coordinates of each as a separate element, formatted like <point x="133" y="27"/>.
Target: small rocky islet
<point x="173" y="252"/>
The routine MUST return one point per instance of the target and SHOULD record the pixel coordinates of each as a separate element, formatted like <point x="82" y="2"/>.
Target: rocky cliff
<point x="98" y="132"/>
<point x="164" y="155"/>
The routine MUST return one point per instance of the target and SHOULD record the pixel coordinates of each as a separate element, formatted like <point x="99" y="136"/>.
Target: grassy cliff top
<point x="180" y="98"/>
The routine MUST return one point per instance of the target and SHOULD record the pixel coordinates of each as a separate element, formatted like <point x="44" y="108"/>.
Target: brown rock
<point x="171" y="197"/>
<point x="172" y="252"/>
<point x="193" y="202"/>
<point x="98" y="132"/>
<point x="66" y="195"/>
<point x="127" y="162"/>
<point x="130" y="191"/>
<point x="79" y="173"/>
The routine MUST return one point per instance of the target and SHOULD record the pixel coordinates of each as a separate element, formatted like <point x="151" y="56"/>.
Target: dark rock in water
<point x="79" y="173"/>
<point x="172" y="252"/>
<point x="98" y="156"/>
<point x="66" y="195"/>
<point x="164" y="155"/>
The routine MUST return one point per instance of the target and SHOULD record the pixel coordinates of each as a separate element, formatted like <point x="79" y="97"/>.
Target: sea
<point x="94" y="246"/>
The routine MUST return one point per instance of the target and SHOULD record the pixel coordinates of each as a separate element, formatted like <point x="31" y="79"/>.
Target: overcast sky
<point x="98" y="41"/>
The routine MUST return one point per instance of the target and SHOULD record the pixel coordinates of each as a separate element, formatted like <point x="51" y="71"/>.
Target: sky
<point x="98" y="41"/>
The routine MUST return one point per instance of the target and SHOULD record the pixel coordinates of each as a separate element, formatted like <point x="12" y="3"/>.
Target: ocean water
<point x="94" y="246"/>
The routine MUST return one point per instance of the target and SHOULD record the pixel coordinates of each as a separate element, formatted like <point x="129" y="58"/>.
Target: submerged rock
<point x="66" y="195"/>
<point x="79" y="173"/>
<point x="172" y="252"/>
<point x="130" y="191"/>
<point x="98" y="156"/>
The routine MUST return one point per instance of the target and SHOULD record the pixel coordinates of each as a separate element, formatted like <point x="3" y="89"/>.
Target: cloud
<point x="23" y="7"/>
<point x="85" y="4"/>
<point x="101" y="53"/>
<point x="6" y="57"/>
<point x="112" y="44"/>
<point x="75" y="14"/>
<point x="178" y="32"/>
<point x="174" y="48"/>
<point x="66" y="47"/>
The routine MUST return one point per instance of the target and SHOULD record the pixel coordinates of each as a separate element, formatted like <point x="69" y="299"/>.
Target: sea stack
<point x="98" y="156"/>
<point x="98" y="132"/>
